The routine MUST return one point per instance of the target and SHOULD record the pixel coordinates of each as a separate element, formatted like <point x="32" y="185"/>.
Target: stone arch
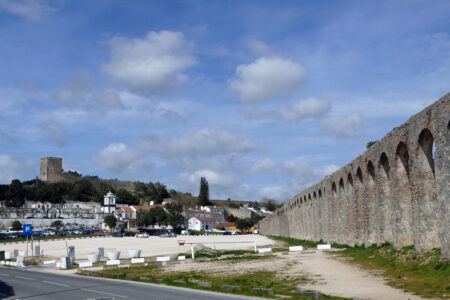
<point x="370" y="208"/>
<point x="349" y="208"/>
<point x="426" y="142"/>
<point x="402" y="198"/>
<point x="358" y="208"/>
<point x="384" y="199"/>
<point x="314" y="195"/>
<point x="320" y="194"/>
<point x="333" y="217"/>
<point x="341" y="211"/>
<point x="425" y="206"/>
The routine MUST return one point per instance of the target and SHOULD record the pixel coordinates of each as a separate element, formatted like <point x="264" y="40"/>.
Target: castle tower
<point x="51" y="169"/>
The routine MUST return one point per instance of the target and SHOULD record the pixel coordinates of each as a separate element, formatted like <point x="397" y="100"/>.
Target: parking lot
<point x="150" y="246"/>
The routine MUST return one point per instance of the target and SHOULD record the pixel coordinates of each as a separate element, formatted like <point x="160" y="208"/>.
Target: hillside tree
<point x="203" y="196"/>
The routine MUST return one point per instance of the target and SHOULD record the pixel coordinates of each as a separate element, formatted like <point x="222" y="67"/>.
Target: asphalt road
<point x="32" y="284"/>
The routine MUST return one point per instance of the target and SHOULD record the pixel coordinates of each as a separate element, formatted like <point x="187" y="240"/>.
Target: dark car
<point x="117" y="234"/>
<point x="129" y="234"/>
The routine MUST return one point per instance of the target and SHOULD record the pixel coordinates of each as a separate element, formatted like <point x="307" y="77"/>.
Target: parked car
<point x="129" y="233"/>
<point x="117" y="234"/>
<point x="142" y="235"/>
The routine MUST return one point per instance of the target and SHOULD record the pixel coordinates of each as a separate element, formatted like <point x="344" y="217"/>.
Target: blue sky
<point x="263" y="98"/>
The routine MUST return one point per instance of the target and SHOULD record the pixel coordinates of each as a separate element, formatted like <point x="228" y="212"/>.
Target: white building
<point x="109" y="203"/>
<point x="199" y="223"/>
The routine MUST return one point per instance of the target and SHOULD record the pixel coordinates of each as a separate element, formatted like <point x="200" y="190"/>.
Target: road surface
<point x="32" y="284"/>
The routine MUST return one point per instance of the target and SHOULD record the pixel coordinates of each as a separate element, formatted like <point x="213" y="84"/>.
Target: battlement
<point x="51" y="158"/>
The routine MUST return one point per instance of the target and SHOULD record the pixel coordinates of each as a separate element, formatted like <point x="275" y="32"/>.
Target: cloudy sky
<point x="263" y="98"/>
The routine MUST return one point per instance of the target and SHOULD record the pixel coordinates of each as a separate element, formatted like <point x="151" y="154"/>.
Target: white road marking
<point x="105" y="293"/>
<point x="55" y="283"/>
<point x="27" y="278"/>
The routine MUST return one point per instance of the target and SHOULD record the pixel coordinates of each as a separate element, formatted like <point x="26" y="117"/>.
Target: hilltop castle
<point x="51" y="171"/>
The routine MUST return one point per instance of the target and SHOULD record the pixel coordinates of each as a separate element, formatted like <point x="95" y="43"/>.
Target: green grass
<point x="306" y="244"/>
<point x="245" y="282"/>
<point x="424" y="274"/>
<point x="218" y="253"/>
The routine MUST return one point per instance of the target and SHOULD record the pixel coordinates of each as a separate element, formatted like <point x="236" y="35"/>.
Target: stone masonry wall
<point x="397" y="192"/>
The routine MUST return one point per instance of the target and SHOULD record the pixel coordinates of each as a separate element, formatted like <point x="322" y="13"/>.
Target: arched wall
<point x="394" y="192"/>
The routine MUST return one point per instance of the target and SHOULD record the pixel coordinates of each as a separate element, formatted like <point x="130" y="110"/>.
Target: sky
<point x="263" y="98"/>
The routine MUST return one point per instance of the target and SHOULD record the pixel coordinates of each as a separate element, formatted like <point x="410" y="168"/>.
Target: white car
<point x="142" y="235"/>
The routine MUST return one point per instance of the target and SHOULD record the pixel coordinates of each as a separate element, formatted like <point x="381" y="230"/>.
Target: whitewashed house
<point x="201" y="223"/>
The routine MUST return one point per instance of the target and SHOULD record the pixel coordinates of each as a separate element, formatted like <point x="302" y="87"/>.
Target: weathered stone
<point x="230" y="287"/>
<point x="204" y="284"/>
<point x="397" y="192"/>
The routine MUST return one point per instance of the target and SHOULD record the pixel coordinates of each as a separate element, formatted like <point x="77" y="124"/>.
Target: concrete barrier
<point x="3" y="262"/>
<point x="264" y="250"/>
<point x="113" y="262"/>
<point x="93" y="258"/>
<point x="19" y="261"/>
<point x="101" y="252"/>
<point x="295" y="248"/>
<point x="85" y="264"/>
<point x="137" y="260"/>
<point x="49" y="262"/>
<point x="134" y="253"/>
<point x="8" y="255"/>
<point x="181" y="257"/>
<point x="114" y="255"/>
<point x="163" y="258"/>
<point x="324" y="247"/>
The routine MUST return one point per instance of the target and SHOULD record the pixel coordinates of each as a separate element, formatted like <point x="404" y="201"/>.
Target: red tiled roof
<point x="145" y="207"/>
<point x="226" y="224"/>
<point x="125" y="209"/>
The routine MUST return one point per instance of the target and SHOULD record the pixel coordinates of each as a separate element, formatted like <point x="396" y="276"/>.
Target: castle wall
<point x="397" y="191"/>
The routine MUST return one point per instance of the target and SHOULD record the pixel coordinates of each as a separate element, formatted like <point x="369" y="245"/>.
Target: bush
<point x="16" y="226"/>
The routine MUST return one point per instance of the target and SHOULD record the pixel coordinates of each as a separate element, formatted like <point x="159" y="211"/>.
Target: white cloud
<point x="118" y="158"/>
<point x="303" y="109"/>
<point x="306" y="173"/>
<point x="221" y="186"/>
<point x="215" y="179"/>
<point x="81" y="91"/>
<point x="262" y="165"/>
<point x="266" y="78"/>
<point x="27" y="9"/>
<point x="277" y="192"/>
<point x="55" y="131"/>
<point x="260" y="48"/>
<point x="152" y="64"/>
<point x="16" y="167"/>
<point x="212" y="149"/>
<point x="345" y="127"/>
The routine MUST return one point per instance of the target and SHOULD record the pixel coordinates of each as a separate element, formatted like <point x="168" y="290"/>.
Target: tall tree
<point x="110" y="220"/>
<point x="203" y="196"/>
<point x="175" y="216"/>
<point x="15" y="196"/>
<point x="125" y="197"/>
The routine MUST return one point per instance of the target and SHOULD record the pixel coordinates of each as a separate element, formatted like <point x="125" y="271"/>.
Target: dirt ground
<point x="327" y="273"/>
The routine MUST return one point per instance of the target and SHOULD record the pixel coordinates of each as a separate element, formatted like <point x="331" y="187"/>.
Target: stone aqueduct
<point x="397" y="192"/>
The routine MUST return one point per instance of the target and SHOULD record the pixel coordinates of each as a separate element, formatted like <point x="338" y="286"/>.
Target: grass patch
<point x="424" y="274"/>
<point x="245" y="282"/>
<point x="218" y="253"/>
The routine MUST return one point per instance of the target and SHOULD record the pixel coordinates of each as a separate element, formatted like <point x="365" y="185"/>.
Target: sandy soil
<point x="149" y="246"/>
<point x="328" y="274"/>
